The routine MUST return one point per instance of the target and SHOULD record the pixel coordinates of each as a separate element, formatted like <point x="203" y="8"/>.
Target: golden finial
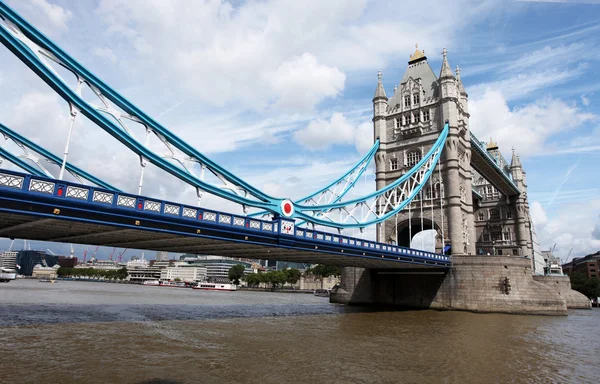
<point x="418" y="54"/>
<point x="492" y="144"/>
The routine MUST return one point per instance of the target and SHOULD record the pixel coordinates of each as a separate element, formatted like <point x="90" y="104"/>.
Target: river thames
<point x="82" y="332"/>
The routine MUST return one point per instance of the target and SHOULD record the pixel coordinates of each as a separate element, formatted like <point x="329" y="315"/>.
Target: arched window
<point x="428" y="193"/>
<point x="508" y="213"/>
<point x="416" y="99"/>
<point x="494" y="214"/>
<point x="406" y="101"/>
<point x="413" y="157"/>
<point x="394" y="164"/>
<point x="481" y="215"/>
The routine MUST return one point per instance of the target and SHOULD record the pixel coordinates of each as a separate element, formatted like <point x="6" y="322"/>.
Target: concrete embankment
<point x="562" y="286"/>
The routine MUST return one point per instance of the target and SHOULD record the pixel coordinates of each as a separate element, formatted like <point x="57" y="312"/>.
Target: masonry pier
<point x="499" y="284"/>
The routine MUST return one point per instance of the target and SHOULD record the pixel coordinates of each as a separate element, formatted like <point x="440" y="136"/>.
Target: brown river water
<point x="83" y="332"/>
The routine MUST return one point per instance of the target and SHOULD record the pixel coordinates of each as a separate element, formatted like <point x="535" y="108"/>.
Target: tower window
<point x="397" y="123"/>
<point x="486" y="236"/>
<point x="403" y="120"/>
<point x="412" y="117"/>
<point x="494" y="214"/>
<point x="416" y="99"/>
<point x="394" y="164"/>
<point x="407" y="101"/>
<point x="413" y="158"/>
<point x="508" y="213"/>
<point x="481" y="215"/>
<point x="426" y="115"/>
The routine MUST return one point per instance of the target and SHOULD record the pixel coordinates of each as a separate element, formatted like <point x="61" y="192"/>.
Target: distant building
<point x="41" y="272"/>
<point x="587" y="265"/>
<point x="67" y="262"/>
<point x="188" y="274"/>
<point x="143" y="274"/>
<point x="162" y="255"/>
<point x="28" y="259"/>
<point x="8" y="260"/>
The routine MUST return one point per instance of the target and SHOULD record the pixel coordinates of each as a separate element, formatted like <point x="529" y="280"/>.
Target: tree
<point x="589" y="287"/>
<point x="321" y="271"/>
<point x="252" y="279"/>
<point x="236" y="273"/>
<point x="292" y="276"/>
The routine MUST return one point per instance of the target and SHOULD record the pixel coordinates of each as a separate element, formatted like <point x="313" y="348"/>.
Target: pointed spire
<point x="379" y="92"/>
<point x="395" y="89"/>
<point x="515" y="161"/>
<point x="446" y="71"/>
<point x="491" y="145"/>
<point x="459" y="83"/>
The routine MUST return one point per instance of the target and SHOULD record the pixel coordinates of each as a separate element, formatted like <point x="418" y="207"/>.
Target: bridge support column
<point x="355" y="288"/>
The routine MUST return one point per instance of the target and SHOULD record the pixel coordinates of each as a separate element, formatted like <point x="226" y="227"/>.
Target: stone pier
<point x="474" y="283"/>
<point x="562" y="286"/>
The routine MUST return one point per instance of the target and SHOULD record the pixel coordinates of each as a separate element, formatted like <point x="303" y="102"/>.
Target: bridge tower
<point x="411" y="122"/>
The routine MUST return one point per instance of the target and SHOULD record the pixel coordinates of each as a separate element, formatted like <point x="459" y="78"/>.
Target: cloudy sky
<point x="279" y="92"/>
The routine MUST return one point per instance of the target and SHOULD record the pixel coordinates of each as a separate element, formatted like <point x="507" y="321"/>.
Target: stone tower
<point x="407" y="128"/>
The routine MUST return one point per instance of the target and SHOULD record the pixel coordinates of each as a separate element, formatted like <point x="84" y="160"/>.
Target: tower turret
<point x="380" y="105"/>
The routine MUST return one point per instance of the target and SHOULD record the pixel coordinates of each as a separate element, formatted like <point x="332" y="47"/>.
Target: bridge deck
<point x="49" y="210"/>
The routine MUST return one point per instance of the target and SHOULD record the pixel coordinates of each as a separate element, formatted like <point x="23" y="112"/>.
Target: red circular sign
<point x="287" y="208"/>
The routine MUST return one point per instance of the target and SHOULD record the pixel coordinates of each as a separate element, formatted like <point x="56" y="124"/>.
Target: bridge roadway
<point x="38" y="208"/>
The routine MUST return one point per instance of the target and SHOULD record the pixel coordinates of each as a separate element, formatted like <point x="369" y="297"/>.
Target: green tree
<point x="589" y="287"/>
<point x="177" y="279"/>
<point x="292" y="275"/>
<point x="321" y="271"/>
<point x="236" y="273"/>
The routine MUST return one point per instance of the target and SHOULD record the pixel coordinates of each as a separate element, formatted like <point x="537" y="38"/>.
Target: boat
<point x="7" y="275"/>
<point x="321" y="292"/>
<point x="151" y="282"/>
<point x="215" y="287"/>
<point x="46" y="281"/>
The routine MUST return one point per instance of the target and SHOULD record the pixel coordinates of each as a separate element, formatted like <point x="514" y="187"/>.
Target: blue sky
<point x="280" y="91"/>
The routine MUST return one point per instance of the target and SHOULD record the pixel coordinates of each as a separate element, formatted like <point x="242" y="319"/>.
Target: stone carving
<point x="465" y="230"/>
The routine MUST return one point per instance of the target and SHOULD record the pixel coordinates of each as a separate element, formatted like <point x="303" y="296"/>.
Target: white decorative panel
<point x="254" y="224"/>
<point x="172" y="209"/>
<point x="300" y="233"/>
<point x="126" y="201"/>
<point x="77" y="193"/>
<point x="336" y="239"/>
<point x="11" y="181"/>
<point x="239" y="221"/>
<point x="327" y="237"/>
<point x="287" y="227"/>
<point x="309" y="234"/>
<point x="210" y="216"/>
<point x="151" y="206"/>
<point x="344" y="241"/>
<point x="267" y="226"/>
<point x="41" y="186"/>
<point x="189" y="212"/>
<point x="352" y="242"/>
<point x="319" y="236"/>
<point x="224" y="219"/>
<point x="102" y="197"/>
<point x="275" y="227"/>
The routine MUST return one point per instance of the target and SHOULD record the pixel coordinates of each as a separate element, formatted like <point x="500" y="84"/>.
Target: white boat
<point x="215" y="287"/>
<point x="7" y="275"/>
<point x="151" y="282"/>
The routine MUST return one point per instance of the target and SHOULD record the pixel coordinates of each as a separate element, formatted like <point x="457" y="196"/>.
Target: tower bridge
<point x="431" y="173"/>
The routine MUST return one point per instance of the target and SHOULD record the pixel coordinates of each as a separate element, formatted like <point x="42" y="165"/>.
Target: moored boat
<point x="215" y="287"/>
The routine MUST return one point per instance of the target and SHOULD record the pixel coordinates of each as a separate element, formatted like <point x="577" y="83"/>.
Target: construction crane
<point x="50" y="252"/>
<point x="11" y="245"/>
<point x="121" y="255"/>
<point x="110" y="257"/>
<point x="94" y="255"/>
<point x="85" y="254"/>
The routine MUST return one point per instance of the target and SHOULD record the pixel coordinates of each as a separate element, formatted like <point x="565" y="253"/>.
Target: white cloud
<point x="50" y="18"/>
<point x="585" y="100"/>
<point x="533" y="124"/>
<point x="105" y="53"/>
<point x="364" y="137"/>
<point x="571" y="227"/>
<point x="321" y="134"/>
<point x="538" y="215"/>
<point x="302" y="82"/>
<point x="596" y="231"/>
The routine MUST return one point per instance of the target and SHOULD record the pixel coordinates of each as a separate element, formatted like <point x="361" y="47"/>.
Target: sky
<point x="280" y="92"/>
